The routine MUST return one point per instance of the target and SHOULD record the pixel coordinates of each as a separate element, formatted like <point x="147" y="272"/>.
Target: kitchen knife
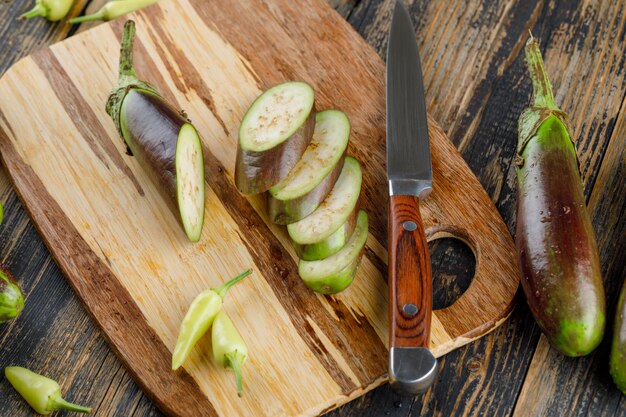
<point x="412" y="366"/>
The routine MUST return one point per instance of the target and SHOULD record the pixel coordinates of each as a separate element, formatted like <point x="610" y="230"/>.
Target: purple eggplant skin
<point x="290" y="211"/>
<point x="150" y="128"/>
<point x="257" y="172"/>
<point x="618" y="347"/>
<point x="557" y="250"/>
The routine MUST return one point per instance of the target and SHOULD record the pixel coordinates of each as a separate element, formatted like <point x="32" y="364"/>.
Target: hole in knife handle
<point x="453" y="263"/>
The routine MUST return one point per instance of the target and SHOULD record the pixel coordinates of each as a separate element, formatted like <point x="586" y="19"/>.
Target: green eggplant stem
<point x="61" y="404"/>
<point x="127" y="80"/>
<point x="99" y="15"/>
<point x="235" y="360"/>
<point x="542" y="88"/>
<point x="223" y="289"/>
<point x="38" y="10"/>
<point x="126" y="71"/>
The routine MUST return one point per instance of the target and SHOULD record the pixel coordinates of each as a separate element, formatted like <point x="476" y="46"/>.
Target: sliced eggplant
<point x="335" y="273"/>
<point x="169" y="148"/>
<point x="334" y="210"/>
<point x="190" y="181"/>
<point x="274" y="133"/>
<point x="164" y="142"/>
<point x="310" y="181"/>
<point x="329" y="246"/>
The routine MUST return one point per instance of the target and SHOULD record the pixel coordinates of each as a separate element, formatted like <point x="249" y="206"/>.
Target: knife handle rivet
<point x="409" y="225"/>
<point x="409" y="310"/>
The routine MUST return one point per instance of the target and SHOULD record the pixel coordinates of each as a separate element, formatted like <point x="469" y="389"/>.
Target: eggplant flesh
<point x="290" y="211"/>
<point x="329" y="246"/>
<point x="151" y="129"/>
<point x="315" y="174"/>
<point x="334" y="210"/>
<point x="618" y="346"/>
<point x="556" y="245"/>
<point x="335" y="273"/>
<point x="274" y="133"/>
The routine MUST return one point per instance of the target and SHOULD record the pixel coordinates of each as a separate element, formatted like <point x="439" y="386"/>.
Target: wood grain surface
<point x="476" y="87"/>
<point x="124" y="254"/>
<point x="409" y="278"/>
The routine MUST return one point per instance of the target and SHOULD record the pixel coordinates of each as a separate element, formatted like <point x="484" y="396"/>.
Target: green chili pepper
<point x="52" y="10"/>
<point x="229" y="349"/>
<point x="11" y="299"/>
<point x="199" y="318"/>
<point x="43" y="394"/>
<point x="113" y="10"/>
<point x="1" y="213"/>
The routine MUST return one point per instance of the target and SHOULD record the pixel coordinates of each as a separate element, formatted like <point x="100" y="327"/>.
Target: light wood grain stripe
<point x="84" y="119"/>
<point x="161" y="38"/>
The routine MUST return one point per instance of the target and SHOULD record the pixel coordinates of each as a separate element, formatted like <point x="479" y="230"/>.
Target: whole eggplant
<point x="555" y="240"/>
<point x="618" y="347"/>
<point x="11" y="298"/>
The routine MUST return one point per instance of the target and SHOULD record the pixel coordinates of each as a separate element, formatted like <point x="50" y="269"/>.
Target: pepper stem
<point x="223" y="289"/>
<point x="99" y="15"/>
<point x="38" y="10"/>
<point x="542" y="89"/>
<point x="235" y="360"/>
<point x="61" y="404"/>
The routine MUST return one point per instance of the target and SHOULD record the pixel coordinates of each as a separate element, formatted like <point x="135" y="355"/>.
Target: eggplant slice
<point x="274" y="133"/>
<point x="334" y="210"/>
<point x="329" y="246"/>
<point x="190" y="181"/>
<point x="335" y="273"/>
<point x="315" y="174"/>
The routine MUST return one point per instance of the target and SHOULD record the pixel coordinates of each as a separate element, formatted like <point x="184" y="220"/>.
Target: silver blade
<point x="409" y="169"/>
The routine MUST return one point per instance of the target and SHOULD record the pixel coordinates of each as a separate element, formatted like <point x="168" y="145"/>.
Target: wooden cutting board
<point x="126" y="257"/>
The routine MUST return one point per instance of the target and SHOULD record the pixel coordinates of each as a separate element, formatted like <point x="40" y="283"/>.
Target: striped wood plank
<point x="126" y="257"/>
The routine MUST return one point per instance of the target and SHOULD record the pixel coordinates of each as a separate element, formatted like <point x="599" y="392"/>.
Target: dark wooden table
<point x="476" y="86"/>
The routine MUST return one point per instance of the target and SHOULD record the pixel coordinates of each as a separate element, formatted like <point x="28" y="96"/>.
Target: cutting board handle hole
<point x="453" y="266"/>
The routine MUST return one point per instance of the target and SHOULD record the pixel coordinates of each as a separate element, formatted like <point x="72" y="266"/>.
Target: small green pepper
<point x="113" y="10"/>
<point x="199" y="318"/>
<point x="11" y="299"/>
<point x="52" y="10"/>
<point x="43" y="394"/>
<point x="229" y="349"/>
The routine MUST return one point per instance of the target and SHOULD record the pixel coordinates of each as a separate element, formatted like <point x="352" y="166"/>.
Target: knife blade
<point x="412" y="366"/>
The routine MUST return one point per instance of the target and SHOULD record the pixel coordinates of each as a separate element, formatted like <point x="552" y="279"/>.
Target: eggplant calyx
<point x="532" y="118"/>
<point x="543" y="100"/>
<point x="127" y="79"/>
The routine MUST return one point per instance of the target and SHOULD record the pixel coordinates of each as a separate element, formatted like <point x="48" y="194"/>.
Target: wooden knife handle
<point x="410" y="281"/>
